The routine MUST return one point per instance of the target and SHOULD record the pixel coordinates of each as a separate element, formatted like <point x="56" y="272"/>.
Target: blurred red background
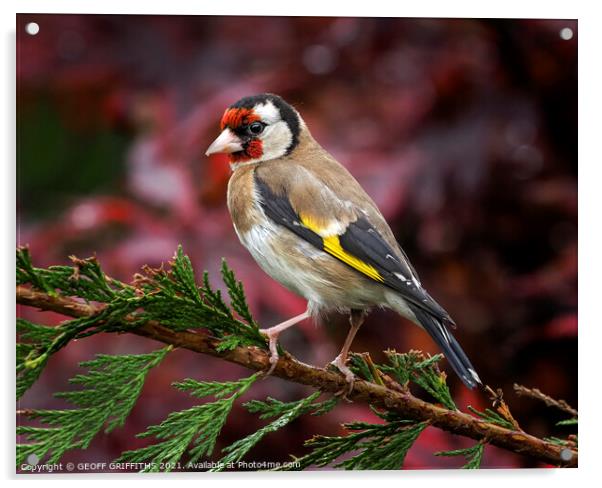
<point x="463" y="131"/>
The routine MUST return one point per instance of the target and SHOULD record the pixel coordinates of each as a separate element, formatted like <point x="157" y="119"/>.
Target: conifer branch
<point x="397" y="400"/>
<point x="473" y="455"/>
<point x="198" y="426"/>
<point x="110" y="390"/>
<point x="548" y="400"/>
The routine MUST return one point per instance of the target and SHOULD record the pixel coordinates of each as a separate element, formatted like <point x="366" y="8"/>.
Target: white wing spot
<point x="474" y="374"/>
<point x="444" y="332"/>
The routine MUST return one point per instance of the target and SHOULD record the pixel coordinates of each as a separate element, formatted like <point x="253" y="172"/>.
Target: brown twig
<point x="402" y="402"/>
<point x="548" y="400"/>
<point x="497" y="399"/>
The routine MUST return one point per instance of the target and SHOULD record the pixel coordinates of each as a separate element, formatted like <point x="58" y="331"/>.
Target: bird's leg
<point x="273" y="332"/>
<point x="356" y="319"/>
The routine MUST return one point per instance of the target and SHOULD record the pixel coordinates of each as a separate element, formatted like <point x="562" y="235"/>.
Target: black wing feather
<point x="363" y="241"/>
<point x="279" y="209"/>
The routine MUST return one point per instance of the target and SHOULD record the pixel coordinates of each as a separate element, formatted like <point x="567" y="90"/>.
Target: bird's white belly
<point x="266" y="247"/>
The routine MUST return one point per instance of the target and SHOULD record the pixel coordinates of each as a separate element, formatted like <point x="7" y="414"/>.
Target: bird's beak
<point x="227" y="142"/>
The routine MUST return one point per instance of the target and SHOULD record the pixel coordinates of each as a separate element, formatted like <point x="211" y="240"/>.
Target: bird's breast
<point x="242" y="200"/>
<point x="272" y="248"/>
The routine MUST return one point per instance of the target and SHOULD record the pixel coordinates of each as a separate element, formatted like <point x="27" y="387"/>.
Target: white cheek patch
<point x="276" y="139"/>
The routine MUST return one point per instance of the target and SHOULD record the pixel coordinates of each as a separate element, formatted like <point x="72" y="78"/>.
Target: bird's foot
<point x="272" y="337"/>
<point x="339" y="363"/>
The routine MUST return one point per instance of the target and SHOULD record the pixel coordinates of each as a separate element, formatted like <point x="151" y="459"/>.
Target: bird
<point x="310" y="225"/>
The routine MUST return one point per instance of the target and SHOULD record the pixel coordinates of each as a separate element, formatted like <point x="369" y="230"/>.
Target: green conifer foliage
<point x="104" y="396"/>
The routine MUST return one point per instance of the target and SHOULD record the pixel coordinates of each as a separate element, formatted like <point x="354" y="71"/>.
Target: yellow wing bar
<point x="332" y="246"/>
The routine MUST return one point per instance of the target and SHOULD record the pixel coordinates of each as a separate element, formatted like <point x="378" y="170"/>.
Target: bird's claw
<point x="273" y="344"/>
<point x="273" y="363"/>
<point x="339" y="363"/>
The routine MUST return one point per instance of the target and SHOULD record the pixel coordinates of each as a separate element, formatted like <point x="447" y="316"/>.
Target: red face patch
<point x="253" y="150"/>
<point x="237" y="117"/>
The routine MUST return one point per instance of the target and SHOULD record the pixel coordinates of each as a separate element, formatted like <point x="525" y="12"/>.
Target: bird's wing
<point x="313" y="212"/>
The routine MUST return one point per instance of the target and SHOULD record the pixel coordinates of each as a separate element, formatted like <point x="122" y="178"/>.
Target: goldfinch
<point x="310" y="225"/>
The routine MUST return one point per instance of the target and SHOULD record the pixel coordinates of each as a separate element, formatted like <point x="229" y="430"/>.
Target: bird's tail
<point x="450" y="347"/>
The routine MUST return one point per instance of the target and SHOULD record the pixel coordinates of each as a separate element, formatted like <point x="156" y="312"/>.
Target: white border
<point x="590" y="242"/>
<point x="373" y="8"/>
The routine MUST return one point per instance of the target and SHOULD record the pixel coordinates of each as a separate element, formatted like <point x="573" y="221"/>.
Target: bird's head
<point x="256" y="129"/>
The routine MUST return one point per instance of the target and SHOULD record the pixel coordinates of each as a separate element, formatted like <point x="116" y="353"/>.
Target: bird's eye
<point x="256" y="128"/>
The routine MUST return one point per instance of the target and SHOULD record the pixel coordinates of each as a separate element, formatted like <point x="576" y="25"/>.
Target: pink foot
<point x="272" y="337"/>
<point x="339" y="363"/>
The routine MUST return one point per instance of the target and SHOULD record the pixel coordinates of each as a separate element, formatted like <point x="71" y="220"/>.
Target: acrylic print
<point x="271" y="243"/>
